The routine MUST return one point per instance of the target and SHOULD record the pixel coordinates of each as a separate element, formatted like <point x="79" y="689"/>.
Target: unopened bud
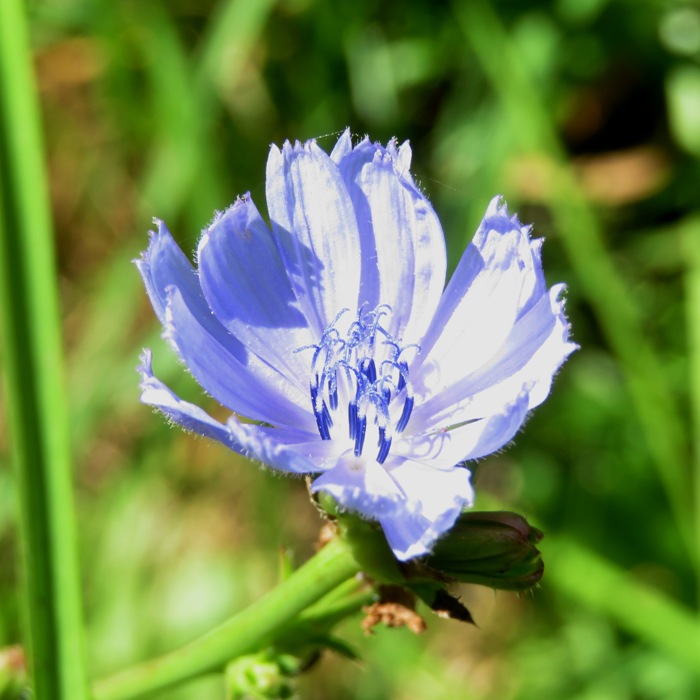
<point x="495" y="549"/>
<point x="263" y="676"/>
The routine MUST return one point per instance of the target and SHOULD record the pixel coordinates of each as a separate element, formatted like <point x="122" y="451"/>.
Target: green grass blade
<point x="188" y="97"/>
<point x="34" y="372"/>
<point x="652" y="617"/>
<point x="691" y="248"/>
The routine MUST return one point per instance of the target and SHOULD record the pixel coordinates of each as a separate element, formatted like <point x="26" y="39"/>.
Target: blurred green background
<point x="585" y="114"/>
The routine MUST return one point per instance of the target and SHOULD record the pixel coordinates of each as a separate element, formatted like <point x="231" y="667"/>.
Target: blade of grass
<point x="691" y="248"/>
<point x="35" y="387"/>
<point x="583" y="239"/>
<point x="648" y="614"/>
<point x="187" y="102"/>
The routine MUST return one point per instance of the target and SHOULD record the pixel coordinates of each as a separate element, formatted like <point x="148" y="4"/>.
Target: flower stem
<point x="250" y="630"/>
<point x="36" y="399"/>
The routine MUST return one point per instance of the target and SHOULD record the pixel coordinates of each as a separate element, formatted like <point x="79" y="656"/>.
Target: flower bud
<point x="262" y="676"/>
<point x="495" y="549"/>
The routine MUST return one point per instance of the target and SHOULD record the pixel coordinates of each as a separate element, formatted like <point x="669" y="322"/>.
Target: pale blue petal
<point x="497" y="281"/>
<point x="222" y="365"/>
<point x="445" y="447"/>
<point x="501" y="428"/>
<point x="293" y="451"/>
<point x="403" y="246"/>
<point x="360" y="485"/>
<point x="314" y="224"/>
<point x="414" y="503"/>
<point x="246" y="285"/>
<point x="187" y="415"/>
<point x="433" y="500"/>
<point x="163" y="265"/>
<point x="342" y="147"/>
<point x="231" y="382"/>
<point x="535" y="349"/>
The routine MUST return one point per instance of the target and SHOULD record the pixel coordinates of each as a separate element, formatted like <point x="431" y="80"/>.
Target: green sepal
<point x="366" y="539"/>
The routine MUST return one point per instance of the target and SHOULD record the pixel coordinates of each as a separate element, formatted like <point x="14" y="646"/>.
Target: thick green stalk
<point x="250" y="630"/>
<point x="34" y="379"/>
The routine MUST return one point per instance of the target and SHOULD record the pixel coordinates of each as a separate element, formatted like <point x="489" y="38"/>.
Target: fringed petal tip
<point x="145" y="367"/>
<point x="558" y="297"/>
<point x="188" y="416"/>
<point x="499" y="207"/>
<point x="169" y="332"/>
<point x="160" y="229"/>
<point x="292" y="150"/>
<point x="499" y="219"/>
<point x="154" y="244"/>
<point x="343" y="146"/>
<point x="242" y="200"/>
<point x="398" y="156"/>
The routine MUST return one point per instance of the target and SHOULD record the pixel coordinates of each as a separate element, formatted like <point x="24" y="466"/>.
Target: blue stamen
<point x="405" y="414"/>
<point x="321" y="423"/>
<point x="384" y="446"/>
<point x="369" y="368"/>
<point x="352" y="419"/>
<point x="360" y="435"/>
<point x="374" y="377"/>
<point x="327" y="420"/>
<point x="333" y="393"/>
<point x="403" y="371"/>
<point x="386" y="395"/>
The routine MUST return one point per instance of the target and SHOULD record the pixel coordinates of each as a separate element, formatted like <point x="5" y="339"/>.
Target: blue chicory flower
<point x="332" y="329"/>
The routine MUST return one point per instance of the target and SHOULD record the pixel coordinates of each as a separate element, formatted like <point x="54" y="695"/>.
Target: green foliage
<point x="583" y="114"/>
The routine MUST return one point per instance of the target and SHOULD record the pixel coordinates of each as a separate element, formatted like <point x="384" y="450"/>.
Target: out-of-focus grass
<point x="167" y="109"/>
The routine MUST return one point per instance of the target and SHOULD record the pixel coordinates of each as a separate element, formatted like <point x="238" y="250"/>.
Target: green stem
<point x="250" y="630"/>
<point x="35" y="380"/>
<point x="343" y="602"/>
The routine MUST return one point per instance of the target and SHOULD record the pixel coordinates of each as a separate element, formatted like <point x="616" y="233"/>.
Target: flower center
<point x="360" y="377"/>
